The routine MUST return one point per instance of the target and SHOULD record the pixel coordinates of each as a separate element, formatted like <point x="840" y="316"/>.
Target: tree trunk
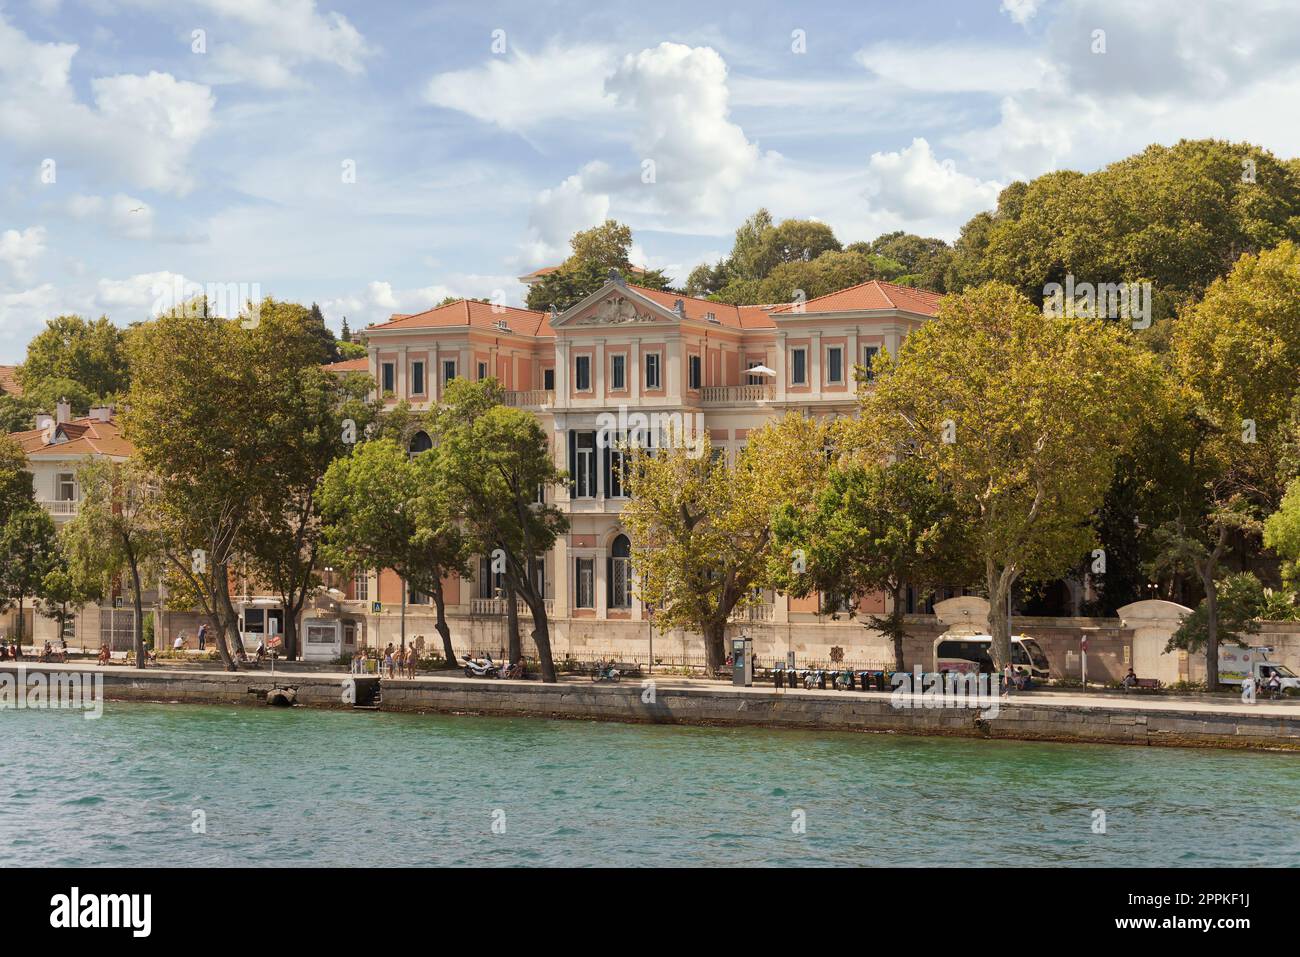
<point x="1211" y="630"/>
<point x="998" y="582"/>
<point x="514" y="651"/>
<point x="440" y="606"/>
<point x="137" y="605"/>
<point x="898" y="632"/>
<point x="714" y="645"/>
<point x="541" y="634"/>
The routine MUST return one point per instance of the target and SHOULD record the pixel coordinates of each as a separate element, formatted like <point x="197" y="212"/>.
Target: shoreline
<point x="1036" y="716"/>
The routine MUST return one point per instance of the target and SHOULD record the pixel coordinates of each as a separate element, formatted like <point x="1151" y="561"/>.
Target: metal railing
<point x="735" y="394"/>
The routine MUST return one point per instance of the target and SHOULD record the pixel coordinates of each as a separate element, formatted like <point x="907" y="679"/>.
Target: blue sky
<point x="482" y="135"/>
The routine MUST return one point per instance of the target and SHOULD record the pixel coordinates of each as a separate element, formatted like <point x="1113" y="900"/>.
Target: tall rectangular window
<point x="584" y="583"/>
<point x="482" y="371"/>
<point x="490" y="584"/>
<point x="448" y="370"/>
<point x="67" y="491"/>
<point x="834" y="364"/>
<point x="618" y="372"/>
<point x="652" y="370"/>
<point x="584" y="476"/>
<point x="582" y="373"/>
<point x="693" y="372"/>
<point x="388" y="378"/>
<point x="798" y="366"/>
<point x="548" y="379"/>
<point x="417" y="378"/>
<point x="868" y="354"/>
<point x="361" y="586"/>
<point x="753" y="379"/>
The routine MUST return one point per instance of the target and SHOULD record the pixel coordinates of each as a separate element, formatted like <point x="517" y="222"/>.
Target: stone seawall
<point x="1026" y="718"/>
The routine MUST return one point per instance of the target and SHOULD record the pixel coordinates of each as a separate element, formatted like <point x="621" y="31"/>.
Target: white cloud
<point x="680" y="99"/>
<point x="141" y="128"/>
<point x="558" y="213"/>
<point x="915" y="184"/>
<point x="1020" y="11"/>
<point x="123" y="215"/>
<point x="379" y="300"/>
<point x="21" y="249"/>
<point x="956" y="67"/>
<point x="519" y="91"/>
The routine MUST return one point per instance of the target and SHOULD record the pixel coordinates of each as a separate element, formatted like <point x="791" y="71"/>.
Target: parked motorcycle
<point x="605" y="671"/>
<point x="475" y="668"/>
<point x="814" y="679"/>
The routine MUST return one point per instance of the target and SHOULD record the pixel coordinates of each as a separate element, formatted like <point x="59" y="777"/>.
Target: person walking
<point x="203" y="637"/>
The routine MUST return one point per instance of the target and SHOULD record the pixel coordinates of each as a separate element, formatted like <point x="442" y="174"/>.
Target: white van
<point x="965" y="653"/>
<point x="1236" y="664"/>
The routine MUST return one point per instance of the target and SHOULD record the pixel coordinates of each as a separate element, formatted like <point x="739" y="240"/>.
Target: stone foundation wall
<point x="1024" y="719"/>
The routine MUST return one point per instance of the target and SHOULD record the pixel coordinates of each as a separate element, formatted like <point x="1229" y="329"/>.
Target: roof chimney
<point x="101" y="413"/>
<point x="63" y="411"/>
<point x="616" y="277"/>
<point x="44" y="420"/>
<point x="679" y="307"/>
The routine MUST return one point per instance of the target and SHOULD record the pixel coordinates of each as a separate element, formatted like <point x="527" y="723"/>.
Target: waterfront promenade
<point x="1196" y="721"/>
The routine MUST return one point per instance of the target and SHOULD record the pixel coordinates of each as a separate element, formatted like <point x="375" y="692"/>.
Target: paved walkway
<point x="1285" y="708"/>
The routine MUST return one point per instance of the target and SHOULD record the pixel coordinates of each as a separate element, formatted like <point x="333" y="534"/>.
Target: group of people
<point x="12" y="650"/>
<point x="51" y="652"/>
<point x="394" y="662"/>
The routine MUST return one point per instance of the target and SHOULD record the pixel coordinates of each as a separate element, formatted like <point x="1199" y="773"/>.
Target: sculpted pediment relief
<point x="614" y="311"/>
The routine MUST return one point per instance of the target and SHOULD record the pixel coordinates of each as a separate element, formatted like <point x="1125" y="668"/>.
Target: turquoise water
<point x="285" y="787"/>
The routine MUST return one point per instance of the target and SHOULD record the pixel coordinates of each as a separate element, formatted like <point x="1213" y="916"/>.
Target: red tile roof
<point x="85" y="436"/>
<point x="9" y="380"/>
<point x="469" y="312"/>
<point x="348" y="365"/>
<point x="734" y="317"/>
<point x="870" y="295"/>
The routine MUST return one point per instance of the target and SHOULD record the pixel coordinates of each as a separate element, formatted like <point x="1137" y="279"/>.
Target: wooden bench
<point x="1144" y="684"/>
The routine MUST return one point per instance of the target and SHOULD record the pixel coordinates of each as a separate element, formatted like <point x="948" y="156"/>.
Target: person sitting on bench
<point x="1130" y="680"/>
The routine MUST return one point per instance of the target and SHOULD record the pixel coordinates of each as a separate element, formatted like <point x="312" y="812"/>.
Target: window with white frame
<point x="868" y="355"/>
<point x="448" y="370"/>
<point x="652" y="370"/>
<point x="585" y="465"/>
<point x="417" y="378"/>
<point x="361" y="586"/>
<point x="835" y="364"/>
<point x="693" y="372"/>
<point x="388" y="377"/>
<point x="618" y="372"/>
<point x="798" y="366"/>
<point x="584" y="583"/>
<point x="620" y="573"/>
<point x="67" y="487"/>
<point x="482" y="371"/>
<point x="582" y="373"/>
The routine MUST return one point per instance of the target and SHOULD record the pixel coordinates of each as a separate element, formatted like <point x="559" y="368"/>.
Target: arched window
<point x="420" y="442"/>
<point x="620" y="573"/>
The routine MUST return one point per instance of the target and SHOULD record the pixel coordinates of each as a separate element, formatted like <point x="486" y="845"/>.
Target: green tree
<point x="1240" y="599"/>
<point x="1282" y="534"/>
<point x="1021" y="418"/>
<point x="382" y="511"/>
<point x="701" y="527"/>
<point x="63" y="594"/>
<point x="198" y="424"/>
<point x="874" y="528"/>
<point x="29" y="551"/>
<point x="495" y="461"/>
<point x="90" y="353"/>
<point x="596" y="252"/>
<point x="1177" y="216"/>
<point x="311" y="418"/>
<point x="116" y="535"/>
